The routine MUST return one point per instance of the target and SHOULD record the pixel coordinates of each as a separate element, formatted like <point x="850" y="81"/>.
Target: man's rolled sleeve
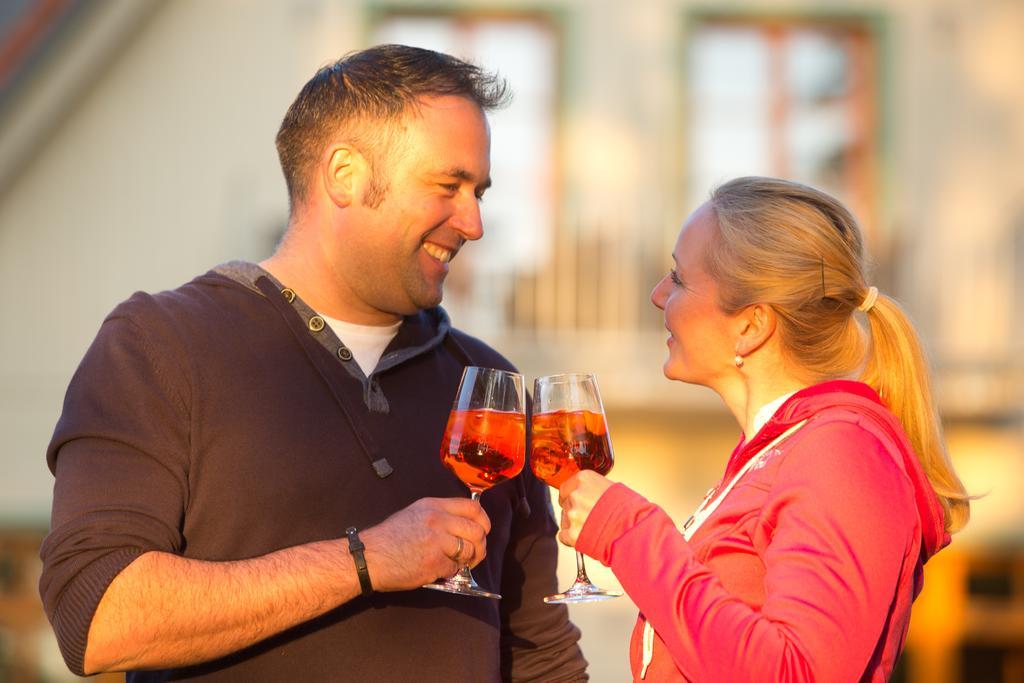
<point x="119" y="456"/>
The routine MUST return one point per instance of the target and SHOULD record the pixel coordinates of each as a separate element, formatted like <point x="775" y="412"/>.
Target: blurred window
<point x="787" y="98"/>
<point x="518" y="213"/>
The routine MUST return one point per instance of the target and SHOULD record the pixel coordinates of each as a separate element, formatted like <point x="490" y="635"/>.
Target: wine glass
<point x="569" y="434"/>
<point x="483" y="445"/>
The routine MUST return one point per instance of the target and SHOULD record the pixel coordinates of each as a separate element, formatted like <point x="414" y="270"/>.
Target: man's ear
<point x="341" y="171"/>
<point x="755" y="325"/>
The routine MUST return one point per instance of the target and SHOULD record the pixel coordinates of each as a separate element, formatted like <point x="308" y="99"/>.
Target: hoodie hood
<point x="856" y="400"/>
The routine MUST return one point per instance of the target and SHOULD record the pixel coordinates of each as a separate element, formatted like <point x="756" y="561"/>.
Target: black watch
<point x="356" y="547"/>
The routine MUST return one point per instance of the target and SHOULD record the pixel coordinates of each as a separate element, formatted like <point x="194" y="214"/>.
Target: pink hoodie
<point x="807" y="569"/>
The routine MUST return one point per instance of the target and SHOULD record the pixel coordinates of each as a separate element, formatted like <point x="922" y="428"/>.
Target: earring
<point x="738" y="360"/>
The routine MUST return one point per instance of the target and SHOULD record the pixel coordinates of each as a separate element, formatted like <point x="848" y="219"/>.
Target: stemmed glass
<point x="570" y="434"/>
<point x="483" y="445"/>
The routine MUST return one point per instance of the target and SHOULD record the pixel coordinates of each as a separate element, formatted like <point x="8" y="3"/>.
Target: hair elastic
<point x="869" y="300"/>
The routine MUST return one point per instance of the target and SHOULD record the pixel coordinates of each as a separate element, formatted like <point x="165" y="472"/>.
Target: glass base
<point x="462" y="584"/>
<point x="582" y="592"/>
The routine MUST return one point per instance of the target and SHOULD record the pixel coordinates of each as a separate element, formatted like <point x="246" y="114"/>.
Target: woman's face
<point x="701" y="345"/>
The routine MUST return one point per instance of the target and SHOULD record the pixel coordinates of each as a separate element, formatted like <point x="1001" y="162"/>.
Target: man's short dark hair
<point x="361" y="97"/>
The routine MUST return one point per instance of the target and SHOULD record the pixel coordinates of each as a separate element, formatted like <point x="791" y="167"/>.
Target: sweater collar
<point x="418" y="334"/>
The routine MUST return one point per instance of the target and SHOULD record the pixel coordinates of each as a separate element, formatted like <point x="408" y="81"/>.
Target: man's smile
<point x="438" y="252"/>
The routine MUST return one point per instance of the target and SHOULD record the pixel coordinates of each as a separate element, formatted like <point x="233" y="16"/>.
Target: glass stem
<point x="581" y="571"/>
<point x="474" y="494"/>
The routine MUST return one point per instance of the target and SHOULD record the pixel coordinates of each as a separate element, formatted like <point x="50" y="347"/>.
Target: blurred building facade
<point x="136" y="151"/>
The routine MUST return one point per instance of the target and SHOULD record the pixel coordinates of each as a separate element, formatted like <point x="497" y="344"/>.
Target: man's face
<point x="396" y="256"/>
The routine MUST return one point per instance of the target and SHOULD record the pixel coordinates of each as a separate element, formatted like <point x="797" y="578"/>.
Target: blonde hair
<point x="800" y="251"/>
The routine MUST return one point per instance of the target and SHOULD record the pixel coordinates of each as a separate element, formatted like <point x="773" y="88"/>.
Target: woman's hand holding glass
<point x="577" y="497"/>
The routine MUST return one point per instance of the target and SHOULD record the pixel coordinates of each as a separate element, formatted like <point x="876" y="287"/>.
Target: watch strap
<point x="356" y="548"/>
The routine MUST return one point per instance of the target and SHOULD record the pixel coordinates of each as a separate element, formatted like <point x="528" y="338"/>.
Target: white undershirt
<point x="366" y="342"/>
<point x="766" y="412"/>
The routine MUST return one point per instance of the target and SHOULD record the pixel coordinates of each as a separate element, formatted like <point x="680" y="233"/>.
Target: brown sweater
<point x="215" y="422"/>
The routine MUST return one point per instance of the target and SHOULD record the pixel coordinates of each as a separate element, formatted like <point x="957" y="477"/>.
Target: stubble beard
<point x="425" y="294"/>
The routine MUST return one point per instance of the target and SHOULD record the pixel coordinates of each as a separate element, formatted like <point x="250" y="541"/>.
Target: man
<point x="227" y="447"/>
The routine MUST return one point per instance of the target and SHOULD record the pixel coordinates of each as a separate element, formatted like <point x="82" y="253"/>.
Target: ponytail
<point x="897" y="369"/>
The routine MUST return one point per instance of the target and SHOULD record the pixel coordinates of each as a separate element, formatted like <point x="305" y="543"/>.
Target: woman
<point x="802" y="563"/>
